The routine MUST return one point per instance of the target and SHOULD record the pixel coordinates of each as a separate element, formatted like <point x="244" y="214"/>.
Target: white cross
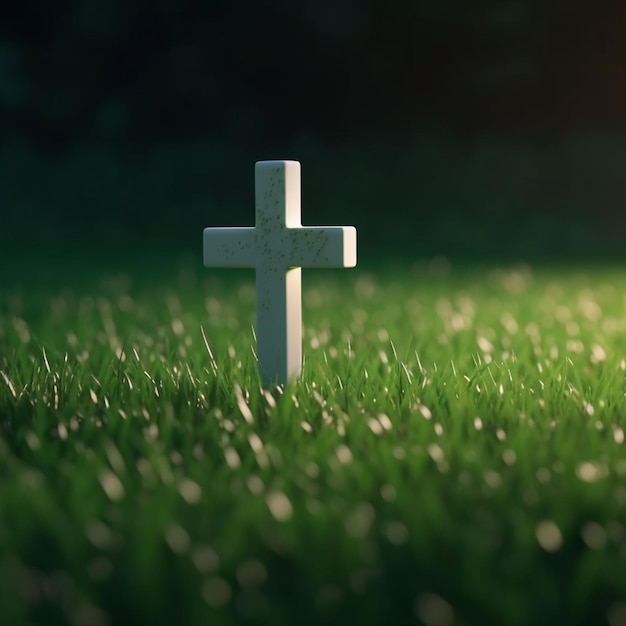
<point x="278" y="246"/>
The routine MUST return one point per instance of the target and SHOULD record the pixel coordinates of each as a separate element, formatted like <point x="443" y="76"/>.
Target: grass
<point x="453" y="453"/>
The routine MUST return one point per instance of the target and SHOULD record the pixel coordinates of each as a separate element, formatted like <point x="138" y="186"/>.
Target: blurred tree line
<point x="460" y="121"/>
<point x="128" y="69"/>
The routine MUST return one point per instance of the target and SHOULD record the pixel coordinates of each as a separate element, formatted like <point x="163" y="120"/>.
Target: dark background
<point x="467" y="128"/>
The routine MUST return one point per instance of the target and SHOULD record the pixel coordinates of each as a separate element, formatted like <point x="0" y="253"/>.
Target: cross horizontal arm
<point x="230" y="247"/>
<point x="322" y="246"/>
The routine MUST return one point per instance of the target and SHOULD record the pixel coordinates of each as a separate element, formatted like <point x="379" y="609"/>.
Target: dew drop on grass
<point x="509" y="323"/>
<point x="549" y="535"/>
<point x="484" y="344"/>
<point x="359" y="522"/>
<point x="588" y="408"/>
<point x="493" y="479"/>
<point x="151" y="433"/>
<point x="269" y="398"/>
<point x="385" y="421"/>
<point x="589" y="307"/>
<point x="312" y="469"/>
<point x="319" y="398"/>
<point x="205" y="559"/>
<point x="575" y="345"/>
<point x="279" y="505"/>
<point x="100" y="569"/>
<point x="543" y="475"/>
<point x="252" y="573"/>
<point x="388" y="492"/>
<point x="509" y="457"/>
<point x="397" y="533"/>
<point x="436" y="452"/>
<point x="344" y="454"/>
<point x="166" y="475"/>
<point x="144" y="468"/>
<point x="616" y="614"/>
<point x="255" y="443"/>
<point x="614" y="530"/>
<point x="87" y="614"/>
<point x="593" y="535"/>
<point x="425" y="411"/>
<point x="100" y="535"/>
<point x="62" y="431"/>
<point x="176" y="457"/>
<point x="232" y="458"/>
<point x="177" y="539"/>
<point x="190" y="491"/>
<point x="21" y="328"/>
<point x="572" y="329"/>
<point x="591" y="471"/>
<point x="255" y="485"/>
<point x="598" y="354"/>
<point x="375" y="426"/>
<point x="433" y="610"/>
<point x="115" y="457"/>
<point x="9" y="383"/>
<point x="178" y="328"/>
<point x="216" y="592"/>
<point x="242" y="405"/>
<point x="112" y="485"/>
<point x="33" y="479"/>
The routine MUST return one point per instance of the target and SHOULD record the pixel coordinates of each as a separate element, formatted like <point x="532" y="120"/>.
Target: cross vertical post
<point x="279" y="288"/>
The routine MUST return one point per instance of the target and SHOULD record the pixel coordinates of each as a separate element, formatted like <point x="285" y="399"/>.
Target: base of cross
<point x="277" y="247"/>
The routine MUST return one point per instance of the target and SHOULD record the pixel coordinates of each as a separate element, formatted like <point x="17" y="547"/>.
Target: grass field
<point x="453" y="454"/>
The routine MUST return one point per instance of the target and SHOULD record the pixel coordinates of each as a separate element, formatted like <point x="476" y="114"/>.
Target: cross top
<point x="278" y="246"/>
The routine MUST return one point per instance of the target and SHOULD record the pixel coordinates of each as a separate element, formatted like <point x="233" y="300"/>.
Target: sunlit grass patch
<point x="452" y="453"/>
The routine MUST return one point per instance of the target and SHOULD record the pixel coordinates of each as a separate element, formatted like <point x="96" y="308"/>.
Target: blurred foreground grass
<point x="453" y="453"/>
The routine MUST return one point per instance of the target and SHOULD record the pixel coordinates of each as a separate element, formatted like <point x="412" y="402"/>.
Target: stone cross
<point x="277" y="247"/>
